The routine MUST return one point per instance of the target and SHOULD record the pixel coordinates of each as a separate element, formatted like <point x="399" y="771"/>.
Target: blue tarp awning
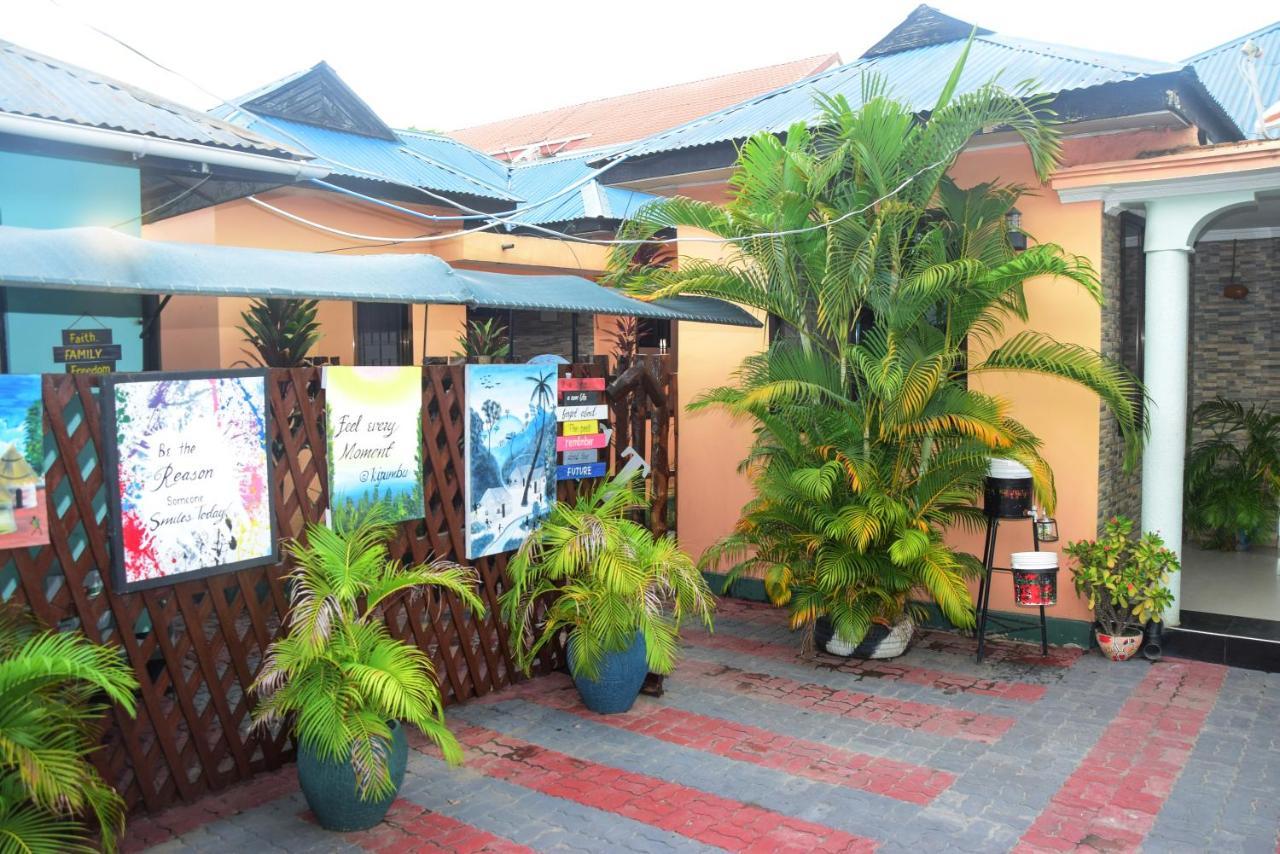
<point x="103" y="260"/>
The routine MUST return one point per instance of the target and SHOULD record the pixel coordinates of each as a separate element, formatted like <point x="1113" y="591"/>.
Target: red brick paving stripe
<point x="1002" y="651"/>
<point x="908" y="714"/>
<point x="813" y="760"/>
<point x="692" y="813"/>
<point x="412" y="829"/>
<point x="1112" y="800"/>
<point x="950" y="683"/>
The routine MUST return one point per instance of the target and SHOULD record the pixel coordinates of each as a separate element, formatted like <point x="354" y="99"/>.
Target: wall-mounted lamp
<point x="1233" y="289"/>
<point x="1013" y="225"/>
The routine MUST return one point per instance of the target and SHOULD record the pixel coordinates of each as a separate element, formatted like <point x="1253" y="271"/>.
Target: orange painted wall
<point x="709" y="491"/>
<point x="1065" y="417"/>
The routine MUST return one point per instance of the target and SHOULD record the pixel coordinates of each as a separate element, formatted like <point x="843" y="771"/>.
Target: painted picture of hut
<point x="23" y="513"/>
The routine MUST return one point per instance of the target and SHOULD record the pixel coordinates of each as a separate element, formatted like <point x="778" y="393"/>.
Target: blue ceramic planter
<point x="621" y="675"/>
<point x="330" y="787"/>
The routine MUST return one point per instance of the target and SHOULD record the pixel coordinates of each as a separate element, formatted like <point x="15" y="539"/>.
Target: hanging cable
<point x="660" y="241"/>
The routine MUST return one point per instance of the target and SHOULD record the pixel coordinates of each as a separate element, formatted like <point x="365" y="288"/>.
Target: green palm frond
<point x="607" y="578"/>
<point x="339" y="671"/>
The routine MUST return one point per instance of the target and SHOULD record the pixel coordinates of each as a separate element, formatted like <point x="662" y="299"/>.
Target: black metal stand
<point x="1003" y="627"/>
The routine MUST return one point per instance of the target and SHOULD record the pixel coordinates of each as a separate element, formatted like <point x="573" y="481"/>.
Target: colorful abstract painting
<point x="24" y="515"/>
<point x="511" y="454"/>
<point x="374" y="418"/>
<point x="192" y="475"/>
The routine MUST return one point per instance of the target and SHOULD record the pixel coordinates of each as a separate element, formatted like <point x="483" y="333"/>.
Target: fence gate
<point x="196" y="646"/>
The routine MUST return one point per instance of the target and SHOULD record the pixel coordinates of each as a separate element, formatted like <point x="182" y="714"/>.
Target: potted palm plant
<point x="891" y="291"/>
<point x="280" y="331"/>
<point x="619" y="592"/>
<point x="1124" y="580"/>
<point x="1233" y="475"/>
<point x="51" y="690"/>
<point x="483" y="341"/>
<point x="348" y="684"/>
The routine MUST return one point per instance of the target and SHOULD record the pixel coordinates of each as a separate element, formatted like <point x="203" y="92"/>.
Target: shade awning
<point x="103" y="260"/>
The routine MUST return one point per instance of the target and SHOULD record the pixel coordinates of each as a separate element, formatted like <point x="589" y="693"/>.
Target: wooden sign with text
<point x="581" y="428"/>
<point x="581" y="398"/>
<point x="581" y="442"/>
<point x="578" y="472"/>
<point x="582" y="413"/>
<point x="581" y="384"/>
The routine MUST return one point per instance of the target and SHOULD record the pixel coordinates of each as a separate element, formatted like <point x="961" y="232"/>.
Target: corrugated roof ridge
<point x="150" y="98"/>
<point x="1230" y="43"/>
<point x="1018" y="43"/>
<point x="819" y="56"/>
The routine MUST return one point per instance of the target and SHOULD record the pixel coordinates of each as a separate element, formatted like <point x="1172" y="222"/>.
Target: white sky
<point x="444" y="64"/>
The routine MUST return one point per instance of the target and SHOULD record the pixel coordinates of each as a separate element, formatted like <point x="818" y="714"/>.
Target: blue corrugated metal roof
<point x="543" y="179"/>
<point x="104" y="260"/>
<point x="443" y="165"/>
<point x="35" y="85"/>
<point x="1219" y="70"/>
<point x="915" y="76"/>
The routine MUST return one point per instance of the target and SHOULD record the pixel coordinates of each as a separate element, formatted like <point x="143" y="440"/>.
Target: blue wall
<point x="48" y="192"/>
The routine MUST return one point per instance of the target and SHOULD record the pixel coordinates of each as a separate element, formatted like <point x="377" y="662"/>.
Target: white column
<point x="1165" y="375"/>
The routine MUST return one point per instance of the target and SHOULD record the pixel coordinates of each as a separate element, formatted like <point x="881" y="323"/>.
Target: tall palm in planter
<point x="1233" y="474"/>
<point x="619" y="592"/>
<point x="51" y="689"/>
<point x="889" y="288"/>
<point x="281" y="332"/>
<point x="346" y="682"/>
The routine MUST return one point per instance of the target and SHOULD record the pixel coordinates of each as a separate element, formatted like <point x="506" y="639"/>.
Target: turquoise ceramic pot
<point x="621" y="675"/>
<point x="330" y="787"/>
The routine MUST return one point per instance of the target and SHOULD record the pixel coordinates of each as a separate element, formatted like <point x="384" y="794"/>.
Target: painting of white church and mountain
<point x="510" y="452"/>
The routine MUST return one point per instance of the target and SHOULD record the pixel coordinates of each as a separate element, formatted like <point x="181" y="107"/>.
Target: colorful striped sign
<point x="581" y="428"/>
<point x="582" y="413"/>
<point x="581" y="443"/>
<point x="581" y="384"/>
<point x="578" y="472"/>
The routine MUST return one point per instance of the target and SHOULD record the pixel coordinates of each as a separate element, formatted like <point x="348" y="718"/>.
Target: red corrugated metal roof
<point x="625" y="118"/>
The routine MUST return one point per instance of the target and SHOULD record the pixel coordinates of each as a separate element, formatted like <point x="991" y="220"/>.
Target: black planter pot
<point x="330" y="787"/>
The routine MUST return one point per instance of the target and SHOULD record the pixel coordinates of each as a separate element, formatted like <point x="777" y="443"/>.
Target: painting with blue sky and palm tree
<point x="510" y="452"/>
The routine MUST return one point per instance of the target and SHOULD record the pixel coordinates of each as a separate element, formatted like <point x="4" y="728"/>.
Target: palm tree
<point x="878" y="274"/>
<point x="540" y="397"/>
<point x="51" y="686"/>
<point x="280" y="331"/>
<point x="339" y="671"/>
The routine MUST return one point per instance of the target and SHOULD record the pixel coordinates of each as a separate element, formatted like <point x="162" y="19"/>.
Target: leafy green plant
<point x="888" y="288"/>
<point x="280" y="331"/>
<point x="602" y="577"/>
<point x="52" y="686"/>
<point x="484" y="339"/>
<point x="1233" y="474"/>
<point x="1124" y="578"/>
<point x="339" y="670"/>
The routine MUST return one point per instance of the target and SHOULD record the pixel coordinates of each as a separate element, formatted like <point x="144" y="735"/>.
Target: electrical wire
<point x="657" y="241"/>
<point x="236" y="107"/>
<point x="166" y="204"/>
<point x="494" y="219"/>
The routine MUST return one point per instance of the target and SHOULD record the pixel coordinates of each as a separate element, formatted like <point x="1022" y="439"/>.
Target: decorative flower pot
<point x="330" y="787"/>
<point x="1119" y="647"/>
<point x="879" y="642"/>
<point x="1007" y="491"/>
<point x="621" y="675"/>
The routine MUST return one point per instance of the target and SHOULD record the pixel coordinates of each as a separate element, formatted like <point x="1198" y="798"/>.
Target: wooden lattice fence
<point x="197" y="646"/>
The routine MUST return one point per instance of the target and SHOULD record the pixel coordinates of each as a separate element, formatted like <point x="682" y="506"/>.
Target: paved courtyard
<point x="754" y="748"/>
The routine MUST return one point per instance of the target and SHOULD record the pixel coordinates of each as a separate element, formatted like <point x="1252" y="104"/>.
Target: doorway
<point x="384" y="334"/>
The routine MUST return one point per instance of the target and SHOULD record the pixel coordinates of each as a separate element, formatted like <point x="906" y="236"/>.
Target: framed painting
<point x="188" y="468"/>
